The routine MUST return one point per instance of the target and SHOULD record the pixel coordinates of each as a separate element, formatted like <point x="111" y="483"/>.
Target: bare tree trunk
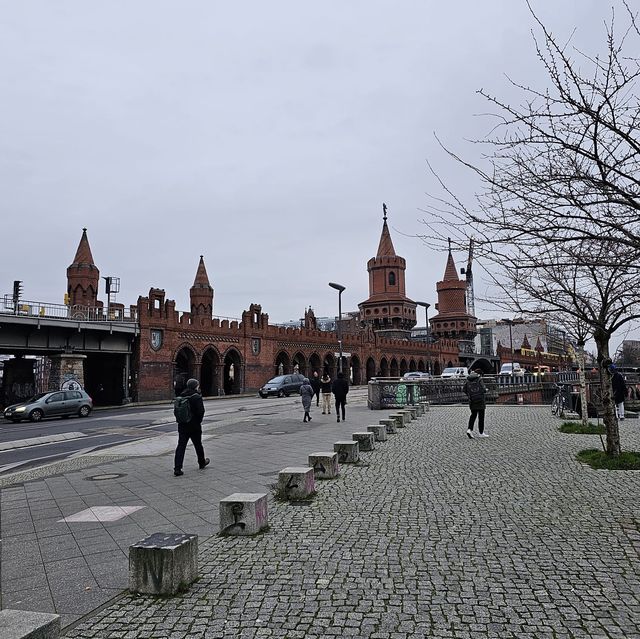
<point x="583" y="386"/>
<point x="610" y="422"/>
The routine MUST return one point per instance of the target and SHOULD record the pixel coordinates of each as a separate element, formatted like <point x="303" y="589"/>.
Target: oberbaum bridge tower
<point x="233" y="356"/>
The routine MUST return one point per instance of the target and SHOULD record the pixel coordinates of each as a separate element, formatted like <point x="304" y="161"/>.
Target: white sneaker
<point x="469" y="433"/>
<point x="483" y="435"/>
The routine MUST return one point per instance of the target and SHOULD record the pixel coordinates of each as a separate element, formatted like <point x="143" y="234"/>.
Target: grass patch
<point x="628" y="460"/>
<point x="577" y="428"/>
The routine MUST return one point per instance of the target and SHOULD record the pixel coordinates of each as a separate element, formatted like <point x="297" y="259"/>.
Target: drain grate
<point x="105" y="476"/>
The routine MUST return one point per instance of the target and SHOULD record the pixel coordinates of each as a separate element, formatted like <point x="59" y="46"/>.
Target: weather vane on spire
<point x="449" y="240"/>
<point x="384" y="211"/>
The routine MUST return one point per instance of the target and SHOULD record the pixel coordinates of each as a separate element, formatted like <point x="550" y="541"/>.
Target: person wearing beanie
<point x="307" y="393"/>
<point x="340" y="388"/>
<point x="192" y="429"/>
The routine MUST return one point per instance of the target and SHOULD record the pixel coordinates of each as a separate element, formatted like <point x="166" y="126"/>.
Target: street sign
<point x="343" y="354"/>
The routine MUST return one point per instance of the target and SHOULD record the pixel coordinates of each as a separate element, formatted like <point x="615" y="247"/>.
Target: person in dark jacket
<point x="191" y="430"/>
<point x="325" y="387"/>
<point x="476" y="391"/>
<point x="315" y="384"/>
<point x="619" y="388"/>
<point x="340" y="388"/>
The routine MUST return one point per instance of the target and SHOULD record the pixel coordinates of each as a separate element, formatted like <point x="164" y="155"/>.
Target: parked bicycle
<point x="561" y="402"/>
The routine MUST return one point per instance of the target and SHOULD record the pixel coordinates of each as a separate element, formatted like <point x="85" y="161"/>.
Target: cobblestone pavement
<point x="432" y="535"/>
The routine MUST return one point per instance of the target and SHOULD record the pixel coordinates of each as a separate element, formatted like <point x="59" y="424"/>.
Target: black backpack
<point x="475" y="390"/>
<point x="182" y="410"/>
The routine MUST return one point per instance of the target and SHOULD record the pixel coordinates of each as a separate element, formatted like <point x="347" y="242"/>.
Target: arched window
<point x="392" y="279"/>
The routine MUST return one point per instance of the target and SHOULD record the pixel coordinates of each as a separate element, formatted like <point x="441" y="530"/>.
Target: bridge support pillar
<point x="66" y="369"/>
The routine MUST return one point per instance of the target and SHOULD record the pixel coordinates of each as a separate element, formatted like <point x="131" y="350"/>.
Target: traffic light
<point x="17" y="291"/>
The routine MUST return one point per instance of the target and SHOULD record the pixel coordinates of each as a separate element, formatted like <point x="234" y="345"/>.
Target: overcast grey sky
<point x="263" y="135"/>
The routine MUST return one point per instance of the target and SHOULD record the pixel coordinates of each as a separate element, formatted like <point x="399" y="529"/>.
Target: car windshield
<point x="276" y="380"/>
<point x="449" y="370"/>
<point x="35" y="398"/>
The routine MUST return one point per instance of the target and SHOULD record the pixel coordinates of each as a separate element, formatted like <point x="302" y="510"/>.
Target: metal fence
<point x="26" y="308"/>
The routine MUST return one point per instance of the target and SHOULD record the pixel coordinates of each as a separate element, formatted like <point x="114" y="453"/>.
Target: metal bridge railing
<point x="78" y="312"/>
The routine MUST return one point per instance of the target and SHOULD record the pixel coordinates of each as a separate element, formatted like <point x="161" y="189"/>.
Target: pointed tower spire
<point x="385" y="248"/>
<point x="450" y="272"/>
<point x="201" y="293"/>
<point x="83" y="276"/>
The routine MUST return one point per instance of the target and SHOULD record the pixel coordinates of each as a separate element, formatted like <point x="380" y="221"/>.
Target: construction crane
<point x="471" y="307"/>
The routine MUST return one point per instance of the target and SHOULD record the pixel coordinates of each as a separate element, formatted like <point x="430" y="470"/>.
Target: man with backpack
<point x="475" y="390"/>
<point x="188" y="409"/>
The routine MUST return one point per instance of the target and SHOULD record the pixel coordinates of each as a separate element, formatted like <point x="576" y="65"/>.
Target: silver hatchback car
<point x="53" y="404"/>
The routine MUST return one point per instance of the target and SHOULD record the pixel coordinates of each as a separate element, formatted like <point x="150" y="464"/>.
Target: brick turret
<point x="83" y="276"/>
<point x="452" y="319"/>
<point x="388" y="310"/>
<point x="201" y="293"/>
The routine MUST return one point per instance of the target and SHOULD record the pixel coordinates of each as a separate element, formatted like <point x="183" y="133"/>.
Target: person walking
<point x="189" y="414"/>
<point x="340" y="388"/>
<point x="325" y="387"/>
<point x="315" y="384"/>
<point x="476" y="391"/>
<point x="306" y="391"/>
<point x="619" y="387"/>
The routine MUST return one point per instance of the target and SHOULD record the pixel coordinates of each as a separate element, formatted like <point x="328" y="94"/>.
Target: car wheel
<point x="84" y="411"/>
<point x="280" y="393"/>
<point x="36" y="415"/>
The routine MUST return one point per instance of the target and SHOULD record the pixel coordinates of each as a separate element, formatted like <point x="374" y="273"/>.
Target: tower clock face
<point x="156" y="339"/>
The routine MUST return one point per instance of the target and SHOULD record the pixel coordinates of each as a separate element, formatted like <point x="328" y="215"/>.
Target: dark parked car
<point x="53" y="404"/>
<point x="282" y="386"/>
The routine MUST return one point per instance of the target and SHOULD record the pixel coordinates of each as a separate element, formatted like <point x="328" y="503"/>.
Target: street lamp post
<point x="426" y="311"/>
<point x="339" y="288"/>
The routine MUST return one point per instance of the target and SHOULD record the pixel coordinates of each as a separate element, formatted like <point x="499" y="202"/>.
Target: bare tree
<point x="557" y="220"/>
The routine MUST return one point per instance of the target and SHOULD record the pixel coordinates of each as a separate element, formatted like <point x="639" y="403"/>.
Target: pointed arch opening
<point x="393" y="368"/>
<point x="210" y="373"/>
<point x="300" y="364"/>
<point x="403" y="366"/>
<point x="371" y="368"/>
<point x="282" y="364"/>
<point x="315" y="364"/>
<point x="356" y="373"/>
<point x="184" y="367"/>
<point x="384" y="367"/>
<point x="329" y="365"/>
<point x="232" y="373"/>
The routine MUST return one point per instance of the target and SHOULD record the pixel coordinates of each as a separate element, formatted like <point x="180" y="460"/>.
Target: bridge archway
<point x="403" y="366"/>
<point x="421" y="365"/>
<point x="184" y="367"/>
<point x="371" y="368"/>
<point x="232" y="372"/>
<point x="210" y="373"/>
<point x="329" y="365"/>
<point x="393" y="369"/>
<point x="283" y="364"/>
<point x="356" y="372"/>
<point x="315" y="364"/>
<point x="300" y="364"/>
<point x="384" y="367"/>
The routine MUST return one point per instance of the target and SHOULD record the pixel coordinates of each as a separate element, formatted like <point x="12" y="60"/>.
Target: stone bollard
<point x="296" y="483"/>
<point x="365" y="439"/>
<point x="379" y="432"/>
<point x="401" y="420"/>
<point x="408" y="417"/>
<point x="426" y="406"/>
<point x="24" y="624"/>
<point x="325" y="465"/>
<point x="163" y="563"/>
<point x="348" y="452"/>
<point x="243" y="514"/>
<point x="390" y="425"/>
<point x="420" y="408"/>
<point x="414" y="412"/>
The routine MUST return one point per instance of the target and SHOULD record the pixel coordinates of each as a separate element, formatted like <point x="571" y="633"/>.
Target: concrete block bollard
<point x="414" y="412"/>
<point x="379" y="432"/>
<point x="243" y="514"/>
<point x="325" y="465"/>
<point x="365" y="439"/>
<point x="348" y="452"/>
<point x="426" y="406"/>
<point x="296" y="482"/>
<point x="420" y="408"/>
<point x="163" y="563"/>
<point x="390" y="425"/>
<point x="24" y="624"/>
<point x="401" y="420"/>
<point x="408" y="417"/>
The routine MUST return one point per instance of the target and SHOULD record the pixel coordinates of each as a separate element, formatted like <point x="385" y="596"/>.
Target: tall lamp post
<point x="339" y="288"/>
<point x="426" y="312"/>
